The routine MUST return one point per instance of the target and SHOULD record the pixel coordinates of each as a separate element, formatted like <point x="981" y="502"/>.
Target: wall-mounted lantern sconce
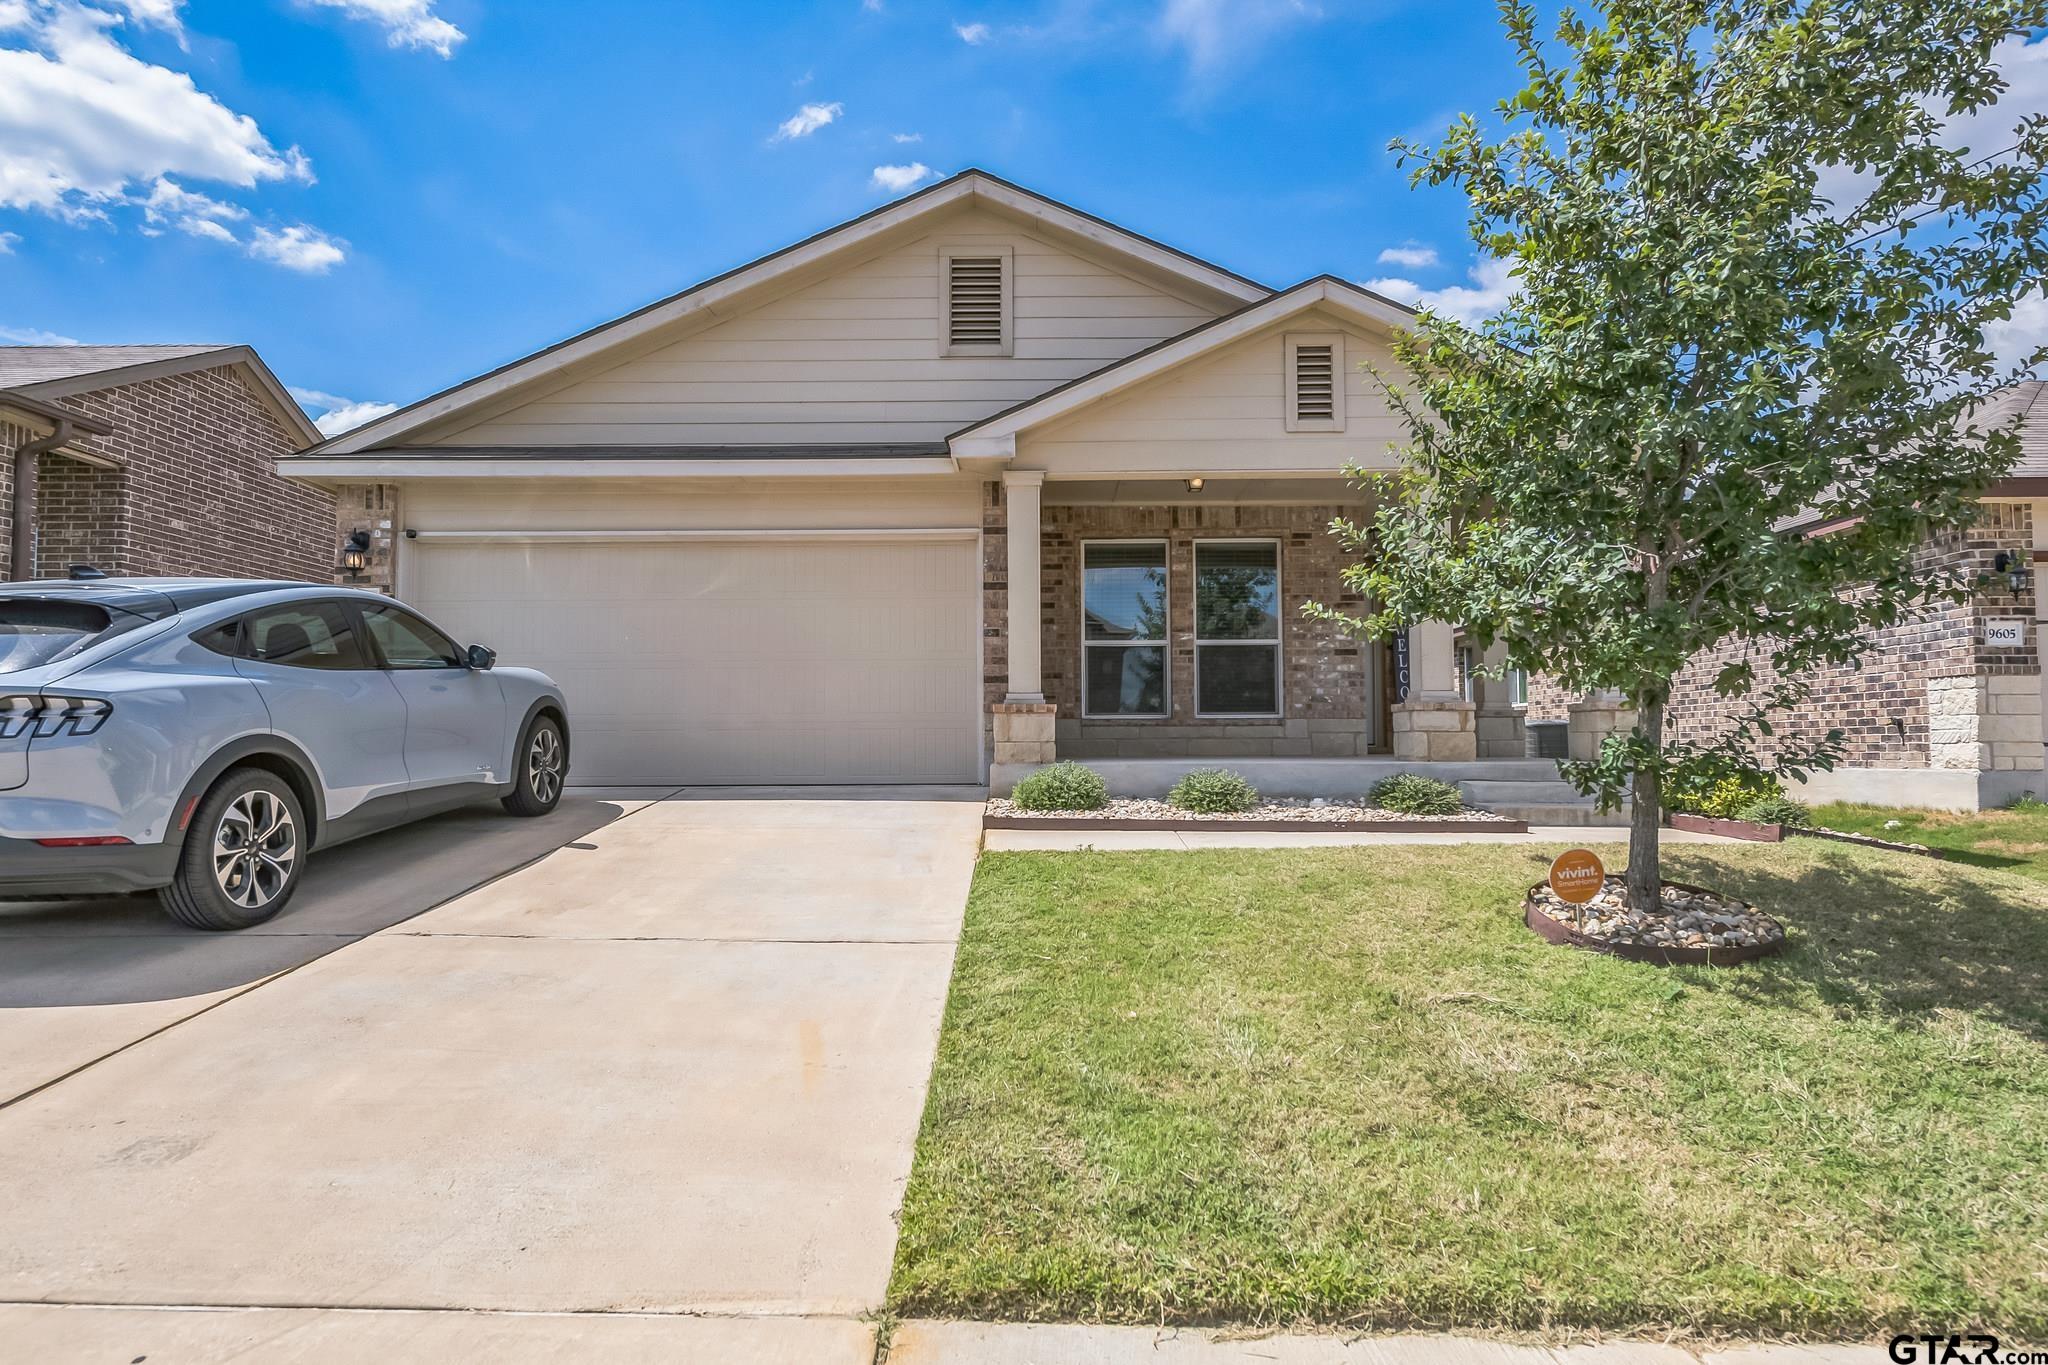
<point x="355" y="552"/>
<point x="2014" y="568"/>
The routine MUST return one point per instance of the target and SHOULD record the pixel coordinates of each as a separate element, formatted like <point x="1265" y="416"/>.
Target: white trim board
<point x="721" y="534"/>
<point x="371" y="469"/>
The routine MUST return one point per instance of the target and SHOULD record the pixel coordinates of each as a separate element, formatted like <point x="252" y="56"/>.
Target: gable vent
<point x="974" y="301"/>
<point x="1315" y="383"/>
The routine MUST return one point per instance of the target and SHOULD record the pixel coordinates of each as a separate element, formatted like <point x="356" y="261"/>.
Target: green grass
<point x="2015" y="840"/>
<point x="1348" y="1086"/>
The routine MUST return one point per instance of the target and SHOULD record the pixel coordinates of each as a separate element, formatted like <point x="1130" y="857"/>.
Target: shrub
<point x="1061" y="786"/>
<point x="1414" y="794"/>
<point x="1719" y="790"/>
<point x="2026" y="803"/>
<point x="1213" y="791"/>
<point x="1777" y="810"/>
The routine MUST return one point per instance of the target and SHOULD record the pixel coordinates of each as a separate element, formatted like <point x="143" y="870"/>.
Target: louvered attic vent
<point x="974" y="301"/>
<point x="1315" y="383"/>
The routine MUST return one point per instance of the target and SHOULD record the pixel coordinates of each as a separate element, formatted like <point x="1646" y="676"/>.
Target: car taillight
<point x="52" y="715"/>
<point x="85" y="841"/>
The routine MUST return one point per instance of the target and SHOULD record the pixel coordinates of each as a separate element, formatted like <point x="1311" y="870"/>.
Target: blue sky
<point x="388" y="196"/>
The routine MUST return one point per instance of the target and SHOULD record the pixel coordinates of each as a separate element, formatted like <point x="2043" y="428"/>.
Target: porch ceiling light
<point x="1195" y="484"/>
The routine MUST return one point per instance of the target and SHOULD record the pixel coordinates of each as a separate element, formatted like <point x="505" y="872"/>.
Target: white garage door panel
<point x="734" y="661"/>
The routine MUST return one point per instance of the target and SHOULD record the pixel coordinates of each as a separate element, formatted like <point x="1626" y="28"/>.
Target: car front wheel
<point x="244" y="852"/>
<point x="543" y="763"/>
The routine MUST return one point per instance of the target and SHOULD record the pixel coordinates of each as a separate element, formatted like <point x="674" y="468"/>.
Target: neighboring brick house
<point x="158" y="460"/>
<point x="1937" y="714"/>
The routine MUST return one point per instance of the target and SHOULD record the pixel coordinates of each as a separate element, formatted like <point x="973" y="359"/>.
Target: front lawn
<point x="1348" y="1086"/>
<point x="2015" y="839"/>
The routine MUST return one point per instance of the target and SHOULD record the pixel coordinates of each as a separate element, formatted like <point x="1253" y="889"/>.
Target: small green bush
<point x="1213" y="791"/>
<point x="2026" y="803"/>
<point x="1414" y="794"/>
<point x="1777" y="810"/>
<point x="1721" y="792"/>
<point x="1061" y="786"/>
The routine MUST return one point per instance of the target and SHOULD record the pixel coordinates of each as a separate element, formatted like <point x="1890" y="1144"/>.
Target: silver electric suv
<point x="200" y="736"/>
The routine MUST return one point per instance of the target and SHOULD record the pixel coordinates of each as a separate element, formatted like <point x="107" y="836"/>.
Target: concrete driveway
<point x="664" y="1066"/>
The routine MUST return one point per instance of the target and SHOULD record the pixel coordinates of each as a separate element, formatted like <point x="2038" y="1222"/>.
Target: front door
<point x="454" y="714"/>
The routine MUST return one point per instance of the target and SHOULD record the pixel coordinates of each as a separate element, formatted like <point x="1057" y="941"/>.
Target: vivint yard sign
<point x="2005" y="633"/>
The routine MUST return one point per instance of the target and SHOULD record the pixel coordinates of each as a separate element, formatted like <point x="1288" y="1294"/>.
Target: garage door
<point x="724" y="661"/>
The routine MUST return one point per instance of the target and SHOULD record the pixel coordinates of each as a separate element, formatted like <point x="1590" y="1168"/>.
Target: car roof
<point x="157" y="597"/>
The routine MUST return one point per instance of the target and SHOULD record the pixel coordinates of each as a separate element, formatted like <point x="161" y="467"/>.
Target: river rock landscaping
<point x="1305" y="810"/>
<point x="1687" y="918"/>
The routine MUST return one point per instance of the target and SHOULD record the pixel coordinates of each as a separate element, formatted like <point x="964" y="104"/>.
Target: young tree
<point x="1752" y="284"/>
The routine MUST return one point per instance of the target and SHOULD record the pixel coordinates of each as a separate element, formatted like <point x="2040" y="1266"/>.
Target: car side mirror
<point x="480" y="658"/>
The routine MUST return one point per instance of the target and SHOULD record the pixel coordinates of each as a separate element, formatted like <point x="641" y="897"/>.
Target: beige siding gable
<point x="856" y="357"/>
<point x="1227" y="412"/>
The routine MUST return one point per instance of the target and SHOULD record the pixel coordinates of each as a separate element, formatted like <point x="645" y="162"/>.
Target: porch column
<point x="1435" y="724"/>
<point x="1593" y="719"/>
<point x="1022" y="723"/>
<point x="1500" y="728"/>
<point x="2038" y="567"/>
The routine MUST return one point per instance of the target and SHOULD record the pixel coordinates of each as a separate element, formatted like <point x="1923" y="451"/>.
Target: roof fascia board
<point x="721" y="290"/>
<point x="371" y="468"/>
<point x="1322" y="292"/>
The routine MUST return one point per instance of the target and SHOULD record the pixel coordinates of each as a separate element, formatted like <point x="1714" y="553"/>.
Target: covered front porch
<point x="1164" y="628"/>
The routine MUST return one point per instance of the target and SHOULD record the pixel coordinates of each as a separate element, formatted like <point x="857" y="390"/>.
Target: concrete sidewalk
<point x="1010" y="1343"/>
<point x="1119" y="840"/>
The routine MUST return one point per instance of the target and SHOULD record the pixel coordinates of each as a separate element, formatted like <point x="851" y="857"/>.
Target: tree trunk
<point x="1645" y="875"/>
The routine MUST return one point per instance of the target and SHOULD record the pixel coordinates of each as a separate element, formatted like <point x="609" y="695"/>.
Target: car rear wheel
<point x="244" y="852"/>
<point x="543" y="763"/>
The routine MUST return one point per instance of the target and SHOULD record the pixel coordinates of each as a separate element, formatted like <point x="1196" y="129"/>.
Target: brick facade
<point x="195" y="490"/>
<point x="371" y="507"/>
<point x="1324" y="689"/>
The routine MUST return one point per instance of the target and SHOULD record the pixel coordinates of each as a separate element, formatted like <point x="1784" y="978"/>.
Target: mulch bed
<point x="1271" y="815"/>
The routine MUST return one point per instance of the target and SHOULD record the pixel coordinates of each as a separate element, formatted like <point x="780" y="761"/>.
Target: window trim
<point x="1292" y="413"/>
<point x="1165" y="642"/>
<point x="1278" y="642"/>
<point x="1007" y="265"/>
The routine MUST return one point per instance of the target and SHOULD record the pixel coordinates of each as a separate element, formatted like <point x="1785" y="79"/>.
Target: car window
<point x="34" y="632"/>
<point x="303" y="635"/>
<point x="406" y="641"/>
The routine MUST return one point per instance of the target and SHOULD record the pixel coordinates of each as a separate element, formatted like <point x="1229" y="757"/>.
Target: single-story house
<point x="971" y="481"/>
<point x="154" y="460"/>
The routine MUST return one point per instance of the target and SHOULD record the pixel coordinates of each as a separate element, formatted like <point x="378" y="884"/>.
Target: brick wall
<point x="196" y="492"/>
<point x="371" y="507"/>
<point x="1919" y="696"/>
<point x="1324" y="688"/>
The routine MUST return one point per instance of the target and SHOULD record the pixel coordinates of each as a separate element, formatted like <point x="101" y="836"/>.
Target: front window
<point x="1518" y="687"/>
<point x="405" y="641"/>
<point x="1237" y="628"/>
<point x="1123" y="635"/>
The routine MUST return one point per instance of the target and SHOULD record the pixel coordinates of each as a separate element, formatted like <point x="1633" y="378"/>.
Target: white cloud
<point x="1412" y="255"/>
<point x="807" y="120"/>
<point x="974" y="35"/>
<point x="9" y="241"/>
<point x="172" y="205"/>
<point x="2025" y="332"/>
<point x="1488" y="294"/>
<point x="897" y="179"/>
<point x="161" y="14"/>
<point x="82" y="119"/>
<point x="35" y="336"/>
<point x="906" y="137"/>
<point x="1216" y="33"/>
<point x="301" y="248"/>
<point x="349" y="416"/>
<point x="406" y="23"/>
<point x="872" y="6"/>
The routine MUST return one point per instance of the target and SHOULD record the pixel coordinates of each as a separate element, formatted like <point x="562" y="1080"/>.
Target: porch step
<point x="1539" y="801"/>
